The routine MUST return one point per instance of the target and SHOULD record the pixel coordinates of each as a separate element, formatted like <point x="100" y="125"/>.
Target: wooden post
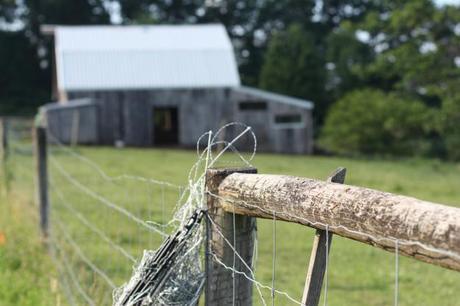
<point x="4" y="139"/>
<point x="40" y="140"/>
<point x="319" y="255"/>
<point x="223" y="287"/>
<point x="74" y="137"/>
<point x="5" y="176"/>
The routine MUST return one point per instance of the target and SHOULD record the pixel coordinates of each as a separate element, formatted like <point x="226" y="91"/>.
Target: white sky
<point x="442" y="2"/>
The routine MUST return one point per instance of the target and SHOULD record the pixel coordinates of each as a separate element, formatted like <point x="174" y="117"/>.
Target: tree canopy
<point x="317" y="50"/>
<point x="294" y="66"/>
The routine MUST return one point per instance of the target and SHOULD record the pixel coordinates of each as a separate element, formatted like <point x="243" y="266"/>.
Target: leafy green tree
<point x="416" y="49"/>
<point x="23" y="84"/>
<point x="345" y="56"/>
<point x="372" y="122"/>
<point x="26" y="60"/>
<point x="8" y="10"/>
<point x="293" y="66"/>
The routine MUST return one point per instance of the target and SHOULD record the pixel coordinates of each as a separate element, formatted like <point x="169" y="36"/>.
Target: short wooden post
<point x="75" y="133"/>
<point x="40" y="140"/>
<point x="5" y="176"/>
<point x="3" y="139"/>
<point x="319" y="254"/>
<point x="223" y="287"/>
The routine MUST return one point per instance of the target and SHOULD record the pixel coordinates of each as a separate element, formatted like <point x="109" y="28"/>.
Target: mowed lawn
<point x="358" y="274"/>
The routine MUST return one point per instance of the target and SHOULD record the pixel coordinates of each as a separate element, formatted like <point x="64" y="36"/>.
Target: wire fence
<point x="18" y="165"/>
<point x="103" y="218"/>
<point x="101" y="223"/>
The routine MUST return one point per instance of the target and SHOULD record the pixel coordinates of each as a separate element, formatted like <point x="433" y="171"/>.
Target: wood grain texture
<point x="219" y="283"/>
<point x="3" y="139"/>
<point x="426" y="231"/>
<point x="40" y="142"/>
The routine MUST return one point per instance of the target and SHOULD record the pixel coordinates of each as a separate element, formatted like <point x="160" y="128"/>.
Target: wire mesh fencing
<point x="106" y="225"/>
<point x="102" y="222"/>
<point x="18" y="165"/>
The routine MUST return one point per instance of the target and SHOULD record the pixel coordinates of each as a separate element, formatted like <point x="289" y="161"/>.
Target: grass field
<point x="358" y="274"/>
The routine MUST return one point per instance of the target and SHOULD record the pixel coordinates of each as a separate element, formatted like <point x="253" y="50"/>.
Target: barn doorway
<point x="165" y="126"/>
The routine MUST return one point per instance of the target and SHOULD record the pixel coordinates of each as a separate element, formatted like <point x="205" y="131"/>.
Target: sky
<point x="443" y="2"/>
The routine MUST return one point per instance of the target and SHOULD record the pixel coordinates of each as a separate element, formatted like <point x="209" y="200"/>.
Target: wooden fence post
<point x="319" y="255"/>
<point x="40" y="140"/>
<point x="223" y="287"/>
<point x="4" y="156"/>
<point x="4" y="139"/>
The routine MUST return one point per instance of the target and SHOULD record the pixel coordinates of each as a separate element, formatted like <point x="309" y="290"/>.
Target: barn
<point x="162" y="85"/>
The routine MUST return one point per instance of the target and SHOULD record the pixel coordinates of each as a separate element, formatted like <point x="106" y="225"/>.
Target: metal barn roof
<point x="271" y="96"/>
<point x="143" y="57"/>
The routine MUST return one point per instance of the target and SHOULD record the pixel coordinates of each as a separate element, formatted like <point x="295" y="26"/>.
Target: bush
<point x="372" y="122"/>
<point x="450" y="126"/>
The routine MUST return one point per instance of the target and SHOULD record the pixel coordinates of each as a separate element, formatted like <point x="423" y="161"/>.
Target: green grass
<point x="27" y="275"/>
<point x="358" y="274"/>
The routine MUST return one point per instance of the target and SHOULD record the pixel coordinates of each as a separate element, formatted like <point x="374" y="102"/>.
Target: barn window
<point x="289" y="121"/>
<point x="253" y="105"/>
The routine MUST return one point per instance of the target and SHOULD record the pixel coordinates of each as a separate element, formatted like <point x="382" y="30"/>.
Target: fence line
<point x="191" y="194"/>
<point x="70" y="272"/>
<point x="373" y="217"/>
<point x="283" y="216"/>
<point x="94" y="229"/>
<point x="61" y="273"/>
<point x="63" y="174"/>
<point x="82" y="255"/>
<point x="102" y="173"/>
<point x="234" y="199"/>
<point x="103" y="200"/>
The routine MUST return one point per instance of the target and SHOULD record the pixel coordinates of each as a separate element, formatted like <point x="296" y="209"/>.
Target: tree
<point x="8" y="10"/>
<point x="416" y="48"/>
<point x="345" y="56"/>
<point x="26" y="63"/>
<point x="293" y="66"/>
<point x="373" y="122"/>
<point x="23" y="84"/>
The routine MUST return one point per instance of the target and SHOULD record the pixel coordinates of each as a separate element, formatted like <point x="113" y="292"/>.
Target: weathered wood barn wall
<point x="74" y="122"/>
<point x="128" y="116"/>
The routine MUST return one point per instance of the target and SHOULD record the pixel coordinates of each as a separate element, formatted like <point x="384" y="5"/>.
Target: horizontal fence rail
<point x="426" y="231"/>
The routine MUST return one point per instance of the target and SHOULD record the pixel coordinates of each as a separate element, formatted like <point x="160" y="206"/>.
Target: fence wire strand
<point x="187" y="198"/>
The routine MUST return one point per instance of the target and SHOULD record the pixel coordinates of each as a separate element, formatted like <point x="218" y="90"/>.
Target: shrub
<point x="372" y="122"/>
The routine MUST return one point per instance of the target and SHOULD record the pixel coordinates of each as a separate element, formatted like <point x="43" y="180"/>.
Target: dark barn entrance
<point x="165" y="126"/>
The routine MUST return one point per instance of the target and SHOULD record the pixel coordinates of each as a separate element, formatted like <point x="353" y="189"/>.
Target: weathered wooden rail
<point x="422" y="230"/>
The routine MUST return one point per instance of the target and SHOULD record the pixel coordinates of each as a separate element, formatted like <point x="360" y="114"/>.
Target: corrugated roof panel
<point x="271" y="96"/>
<point x="135" y="57"/>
